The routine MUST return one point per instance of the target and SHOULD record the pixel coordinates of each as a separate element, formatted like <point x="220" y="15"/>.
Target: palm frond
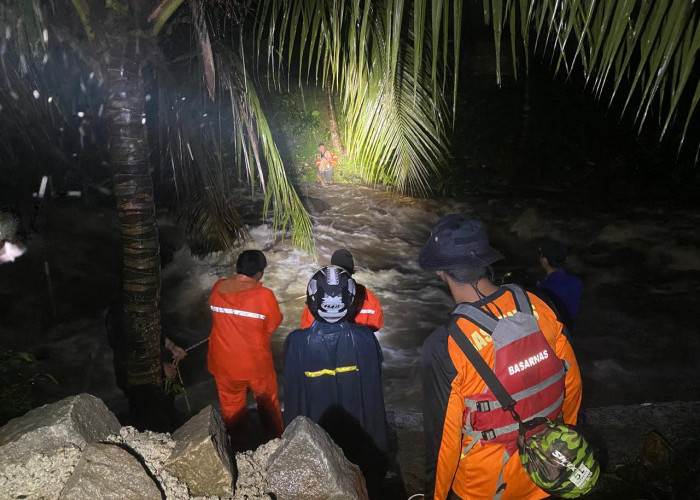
<point x="390" y="81"/>
<point x="212" y="222"/>
<point x="256" y="148"/>
<point x="648" y="48"/>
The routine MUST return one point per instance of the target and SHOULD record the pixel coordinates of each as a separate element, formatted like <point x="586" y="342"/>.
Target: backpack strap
<point x="522" y="301"/>
<point x="501" y="485"/>
<point x="482" y="368"/>
<point x="475" y="315"/>
<point x="484" y="320"/>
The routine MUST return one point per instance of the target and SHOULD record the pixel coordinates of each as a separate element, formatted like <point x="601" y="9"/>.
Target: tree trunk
<point x="337" y="143"/>
<point x="133" y="187"/>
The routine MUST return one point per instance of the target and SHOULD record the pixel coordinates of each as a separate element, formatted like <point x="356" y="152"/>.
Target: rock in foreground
<point x="202" y="456"/>
<point x="76" y="421"/>
<point x="308" y="465"/>
<point x="107" y="471"/>
<point x="40" y="449"/>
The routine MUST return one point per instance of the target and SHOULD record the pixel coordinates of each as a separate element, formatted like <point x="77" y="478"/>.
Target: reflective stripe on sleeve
<point x="367" y="311"/>
<point x="328" y="371"/>
<point x="237" y="312"/>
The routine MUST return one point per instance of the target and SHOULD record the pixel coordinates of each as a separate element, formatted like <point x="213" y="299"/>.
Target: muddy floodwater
<point x="637" y="336"/>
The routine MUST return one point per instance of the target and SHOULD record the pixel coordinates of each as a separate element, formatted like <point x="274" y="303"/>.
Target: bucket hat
<point x="457" y="242"/>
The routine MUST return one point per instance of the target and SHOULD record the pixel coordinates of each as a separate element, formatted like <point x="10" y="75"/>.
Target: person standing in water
<point x="244" y="315"/>
<point x="368" y="311"/>
<point x="324" y="165"/>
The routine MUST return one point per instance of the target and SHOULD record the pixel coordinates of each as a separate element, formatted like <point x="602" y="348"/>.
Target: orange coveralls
<point x="369" y="313"/>
<point x="448" y="377"/>
<point x="239" y="353"/>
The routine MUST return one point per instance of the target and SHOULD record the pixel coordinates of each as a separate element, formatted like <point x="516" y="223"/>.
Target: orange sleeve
<point x="450" y="446"/>
<point x="307" y="319"/>
<point x="333" y="160"/>
<point x="553" y="331"/>
<point x="273" y="316"/>
<point x="572" y="398"/>
<point x="370" y="313"/>
<point x="443" y="407"/>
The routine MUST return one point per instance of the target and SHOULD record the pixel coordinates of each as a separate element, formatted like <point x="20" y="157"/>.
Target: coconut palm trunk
<point x="336" y="141"/>
<point x="133" y="187"/>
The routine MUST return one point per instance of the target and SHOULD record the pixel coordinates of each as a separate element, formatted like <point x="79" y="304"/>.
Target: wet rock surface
<point x="623" y="429"/>
<point x="76" y="420"/>
<point x="195" y="463"/>
<point x="308" y="465"/>
<point x="107" y="471"/>
<point x="202" y="456"/>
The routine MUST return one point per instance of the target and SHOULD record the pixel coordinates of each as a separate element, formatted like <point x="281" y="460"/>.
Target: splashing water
<point x="384" y="233"/>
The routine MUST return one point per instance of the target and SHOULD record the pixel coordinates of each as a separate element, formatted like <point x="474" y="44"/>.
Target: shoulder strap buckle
<point x="488" y="435"/>
<point x="483" y="406"/>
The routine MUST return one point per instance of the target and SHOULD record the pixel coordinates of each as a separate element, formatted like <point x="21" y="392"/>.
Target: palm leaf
<point x="389" y="81"/>
<point x="647" y="47"/>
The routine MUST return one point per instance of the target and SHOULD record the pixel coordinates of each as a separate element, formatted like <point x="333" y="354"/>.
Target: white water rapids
<point x="384" y="233"/>
<point x="636" y="336"/>
<point x="623" y="353"/>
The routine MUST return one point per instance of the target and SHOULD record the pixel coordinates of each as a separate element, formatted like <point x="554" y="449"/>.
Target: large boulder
<point x="308" y="465"/>
<point x="107" y="471"/>
<point x="73" y="421"/>
<point x="39" y="450"/>
<point x="202" y="456"/>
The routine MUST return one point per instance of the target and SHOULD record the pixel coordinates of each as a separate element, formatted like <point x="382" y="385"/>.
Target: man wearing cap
<point x="563" y="289"/>
<point x="332" y="374"/>
<point x="368" y="312"/>
<point x="458" y="251"/>
<point x="244" y="316"/>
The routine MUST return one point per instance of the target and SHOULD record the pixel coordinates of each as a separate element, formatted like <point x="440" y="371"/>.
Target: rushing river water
<point x="637" y="338"/>
<point x="384" y="233"/>
<point x="632" y="344"/>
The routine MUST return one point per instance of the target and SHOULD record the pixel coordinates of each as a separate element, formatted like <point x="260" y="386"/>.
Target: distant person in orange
<point x="324" y="165"/>
<point x="244" y="316"/>
<point x="369" y="312"/>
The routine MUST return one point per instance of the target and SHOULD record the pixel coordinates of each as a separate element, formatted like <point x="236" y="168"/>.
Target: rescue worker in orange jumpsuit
<point x="458" y="250"/>
<point x="324" y="165"/>
<point x="244" y="316"/>
<point x="368" y="312"/>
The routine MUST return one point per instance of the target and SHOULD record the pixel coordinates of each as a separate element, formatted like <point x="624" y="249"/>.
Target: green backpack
<point x="559" y="460"/>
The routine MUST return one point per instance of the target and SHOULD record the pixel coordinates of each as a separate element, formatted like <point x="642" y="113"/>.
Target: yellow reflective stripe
<point x="343" y="369"/>
<point x="328" y="371"/>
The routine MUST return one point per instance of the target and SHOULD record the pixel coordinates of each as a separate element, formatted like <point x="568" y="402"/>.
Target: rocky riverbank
<point x="76" y="448"/>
